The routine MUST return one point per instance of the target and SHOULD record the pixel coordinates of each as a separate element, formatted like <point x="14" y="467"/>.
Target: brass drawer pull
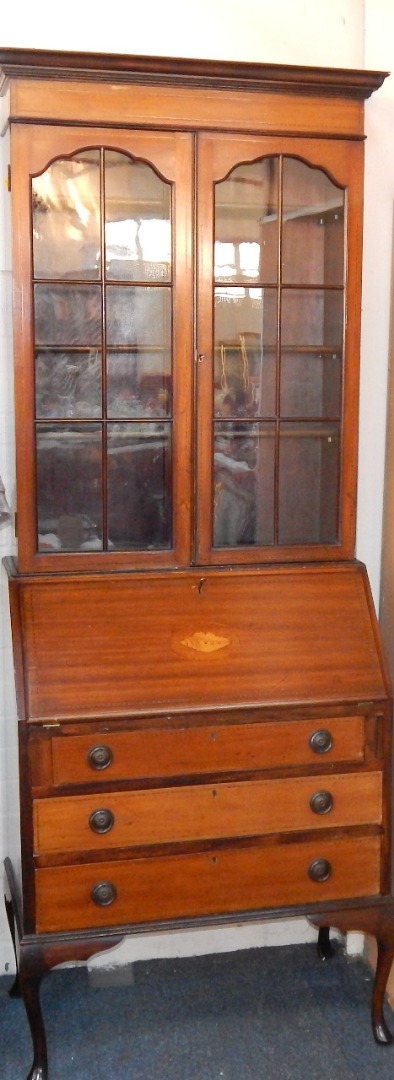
<point x="321" y="802"/>
<point x="320" y="870"/>
<point x="99" y="757"/>
<point x="321" y="741"/>
<point x="101" y="821"/>
<point x="104" y="893"/>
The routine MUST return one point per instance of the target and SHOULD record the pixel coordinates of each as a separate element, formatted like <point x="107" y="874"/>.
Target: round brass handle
<point x="103" y="893"/>
<point x="321" y="802"/>
<point x="99" y="757"/>
<point x="321" y="741"/>
<point x="101" y="821"/>
<point x="320" y="870"/>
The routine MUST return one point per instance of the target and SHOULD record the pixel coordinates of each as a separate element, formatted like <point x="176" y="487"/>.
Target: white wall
<point x="327" y="33"/>
<point x="377" y="272"/>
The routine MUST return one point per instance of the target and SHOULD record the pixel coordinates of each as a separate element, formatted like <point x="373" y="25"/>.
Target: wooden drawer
<point x="201" y="812"/>
<point x="183" y="886"/>
<point x="177" y="751"/>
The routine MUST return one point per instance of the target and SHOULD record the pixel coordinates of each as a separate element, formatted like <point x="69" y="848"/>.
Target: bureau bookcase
<point x="204" y="708"/>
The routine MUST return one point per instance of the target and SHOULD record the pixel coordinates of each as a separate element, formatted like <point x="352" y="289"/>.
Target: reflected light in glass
<point x="249" y="259"/>
<point x="129" y="238"/>
<point x="224" y="259"/>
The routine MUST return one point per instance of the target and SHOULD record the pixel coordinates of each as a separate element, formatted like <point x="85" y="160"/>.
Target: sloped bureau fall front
<point x="204" y="710"/>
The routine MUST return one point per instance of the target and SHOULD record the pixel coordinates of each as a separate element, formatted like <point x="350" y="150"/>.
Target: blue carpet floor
<point x="260" y="1014"/>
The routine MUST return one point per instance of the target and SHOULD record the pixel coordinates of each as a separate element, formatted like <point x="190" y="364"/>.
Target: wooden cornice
<point x="219" y="74"/>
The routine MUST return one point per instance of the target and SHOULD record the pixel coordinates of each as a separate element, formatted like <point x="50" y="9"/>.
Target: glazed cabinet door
<point x="103" y="345"/>
<point x="130" y="285"/>
<point x="278" y="295"/>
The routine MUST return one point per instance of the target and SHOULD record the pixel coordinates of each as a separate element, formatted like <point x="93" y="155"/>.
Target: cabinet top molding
<point x="220" y="74"/>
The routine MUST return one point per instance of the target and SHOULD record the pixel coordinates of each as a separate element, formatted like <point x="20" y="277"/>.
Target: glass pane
<point x="138" y="384"/>
<point x="308" y="483"/>
<point x="67" y="314"/>
<point x="313" y="225"/>
<point x="246" y="223"/>
<point x="245" y="351"/>
<point x="312" y="317"/>
<point x="139" y="485"/>
<point x="137" y="220"/>
<point x="140" y="316"/>
<point x="69" y="487"/>
<point x="66" y="218"/>
<point x="310" y="384"/>
<point x="68" y="384"/>
<point x="244" y="456"/>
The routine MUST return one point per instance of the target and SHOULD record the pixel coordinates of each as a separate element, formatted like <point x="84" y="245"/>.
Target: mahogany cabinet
<point x="204" y="708"/>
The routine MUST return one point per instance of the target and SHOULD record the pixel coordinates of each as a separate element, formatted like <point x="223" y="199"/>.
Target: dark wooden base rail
<point x="37" y="954"/>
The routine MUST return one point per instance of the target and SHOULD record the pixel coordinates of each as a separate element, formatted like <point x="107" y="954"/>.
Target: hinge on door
<point x="9" y="178"/>
<point x="16" y="523"/>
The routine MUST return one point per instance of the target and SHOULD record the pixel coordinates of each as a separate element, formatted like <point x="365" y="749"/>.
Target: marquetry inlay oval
<point x="205" y="642"/>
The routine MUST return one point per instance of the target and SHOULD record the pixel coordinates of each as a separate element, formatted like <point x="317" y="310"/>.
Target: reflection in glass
<point x="245" y="352"/>
<point x="139" y="316"/>
<point x="68" y="384"/>
<point x="138" y="383"/>
<point x="246" y="223"/>
<point x="243" y="483"/>
<point x="69" y="487"/>
<point x="312" y="317"/>
<point x="313" y="226"/>
<point x="311" y="384"/>
<point x="137" y="220"/>
<point x="66" y="218"/>
<point x="308" y="483"/>
<point x="67" y="314"/>
<point x="279" y="328"/>
<point x="139" y="486"/>
<point x="90" y="476"/>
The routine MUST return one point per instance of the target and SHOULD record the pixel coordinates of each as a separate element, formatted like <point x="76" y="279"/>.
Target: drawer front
<point x="201" y="812"/>
<point x="205" y="884"/>
<point x="81" y="759"/>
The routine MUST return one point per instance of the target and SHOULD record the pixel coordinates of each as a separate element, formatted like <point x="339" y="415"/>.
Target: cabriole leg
<point x="385" y="958"/>
<point x="15" y="990"/>
<point x="377" y="920"/>
<point x="30" y="977"/>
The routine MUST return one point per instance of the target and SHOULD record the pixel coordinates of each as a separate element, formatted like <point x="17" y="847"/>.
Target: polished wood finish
<point x="97" y="67"/>
<point x="143" y="654"/>
<point x="204" y="812"/>
<point x="265" y="121"/>
<point x="205" y="732"/>
<point x="216" y="882"/>
<point x="171" y="155"/>
<point x="218" y="154"/>
<point x="187" y="746"/>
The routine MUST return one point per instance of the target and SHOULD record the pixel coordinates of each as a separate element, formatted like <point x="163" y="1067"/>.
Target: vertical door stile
<point x="204" y="350"/>
<point x="194" y="360"/>
<point x="104" y="368"/>
<point x="278" y="352"/>
<point x="183" y="345"/>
